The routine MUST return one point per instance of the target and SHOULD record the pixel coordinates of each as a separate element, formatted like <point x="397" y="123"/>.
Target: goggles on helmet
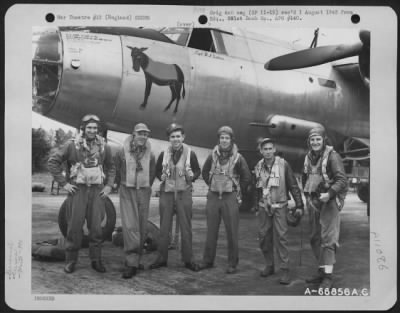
<point x="90" y="117"/>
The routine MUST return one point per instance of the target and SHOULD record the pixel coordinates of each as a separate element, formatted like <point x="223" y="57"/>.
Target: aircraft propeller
<point x="324" y="54"/>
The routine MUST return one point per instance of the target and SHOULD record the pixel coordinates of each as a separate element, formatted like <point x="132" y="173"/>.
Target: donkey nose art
<point x="159" y="73"/>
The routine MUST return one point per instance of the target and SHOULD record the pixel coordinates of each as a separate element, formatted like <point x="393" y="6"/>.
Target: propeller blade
<point x="365" y="37"/>
<point x="313" y="57"/>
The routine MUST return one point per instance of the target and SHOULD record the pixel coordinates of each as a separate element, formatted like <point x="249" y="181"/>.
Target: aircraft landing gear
<point x="247" y="201"/>
<point x="363" y="192"/>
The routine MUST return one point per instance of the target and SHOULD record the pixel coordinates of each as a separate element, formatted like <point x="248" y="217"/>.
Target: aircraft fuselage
<point x="99" y="73"/>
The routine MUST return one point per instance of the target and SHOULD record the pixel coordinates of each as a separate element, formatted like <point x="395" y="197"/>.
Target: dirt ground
<point x="351" y="271"/>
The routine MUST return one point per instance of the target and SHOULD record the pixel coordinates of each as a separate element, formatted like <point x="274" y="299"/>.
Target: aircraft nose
<point x="46" y="68"/>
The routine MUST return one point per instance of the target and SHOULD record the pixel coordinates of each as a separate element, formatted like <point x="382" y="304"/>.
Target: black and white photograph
<point x="225" y="153"/>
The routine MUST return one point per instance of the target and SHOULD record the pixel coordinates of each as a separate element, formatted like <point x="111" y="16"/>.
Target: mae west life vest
<point x="134" y="177"/>
<point x="273" y="183"/>
<point x="176" y="173"/>
<point x="89" y="169"/>
<point x="317" y="176"/>
<point x="222" y="177"/>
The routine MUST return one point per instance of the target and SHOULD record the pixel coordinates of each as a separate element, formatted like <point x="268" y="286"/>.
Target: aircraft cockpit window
<point x="202" y="39"/>
<point x="179" y="35"/>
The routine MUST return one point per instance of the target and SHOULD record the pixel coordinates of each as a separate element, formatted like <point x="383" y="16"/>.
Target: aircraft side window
<point x="179" y="35"/>
<point x="235" y="46"/>
<point x="218" y="40"/>
<point x="212" y="48"/>
<point x="202" y="39"/>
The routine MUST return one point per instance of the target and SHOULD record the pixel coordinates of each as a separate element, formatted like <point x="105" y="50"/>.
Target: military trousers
<point x="273" y="236"/>
<point x="325" y="227"/>
<point x="226" y="209"/>
<point x="134" y="206"/>
<point x="182" y="205"/>
<point x="84" y="204"/>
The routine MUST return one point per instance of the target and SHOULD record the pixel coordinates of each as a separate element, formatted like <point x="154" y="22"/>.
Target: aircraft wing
<point x="356" y="148"/>
<point x="364" y="141"/>
<point x="324" y="54"/>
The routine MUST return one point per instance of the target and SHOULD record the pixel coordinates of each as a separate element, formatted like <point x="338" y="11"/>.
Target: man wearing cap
<point x="88" y="158"/>
<point x="325" y="187"/>
<point x="274" y="180"/>
<point x="135" y="164"/>
<point x="177" y="168"/>
<point x="226" y="173"/>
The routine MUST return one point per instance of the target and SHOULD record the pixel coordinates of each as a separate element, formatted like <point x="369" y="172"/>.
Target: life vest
<point x="89" y="169"/>
<point x="135" y="178"/>
<point x="273" y="184"/>
<point x="223" y="177"/>
<point x="317" y="176"/>
<point x="176" y="173"/>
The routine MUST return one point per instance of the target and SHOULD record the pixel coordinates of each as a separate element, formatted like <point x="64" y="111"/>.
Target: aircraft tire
<point x="363" y="192"/>
<point x="247" y="202"/>
<point x="108" y="227"/>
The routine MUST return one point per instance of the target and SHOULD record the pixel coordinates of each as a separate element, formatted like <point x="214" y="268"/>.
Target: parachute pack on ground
<point x="150" y="243"/>
<point x="54" y="249"/>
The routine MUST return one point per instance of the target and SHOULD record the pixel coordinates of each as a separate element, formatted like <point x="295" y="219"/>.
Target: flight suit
<point x="273" y="185"/>
<point x="324" y="173"/>
<point x="85" y="162"/>
<point x="136" y="173"/>
<point x="225" y="179"/>
<point x="176" y="194"/>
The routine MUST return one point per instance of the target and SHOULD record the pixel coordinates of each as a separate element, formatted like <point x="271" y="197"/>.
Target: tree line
<point x="43" y="143"/>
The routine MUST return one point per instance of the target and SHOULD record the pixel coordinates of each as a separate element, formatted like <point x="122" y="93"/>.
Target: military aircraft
<point x="204" y="78"/>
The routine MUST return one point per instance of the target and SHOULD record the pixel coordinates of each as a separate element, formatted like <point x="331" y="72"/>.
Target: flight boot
<point x="69" y="267"/>
<point x="192" y="266"/>
<point x="129" y="272"/>
<point x="316" y="278"/>
<point x="267" y="271"/>
<point x="158" y="264"/>
<point x="327" y="281"/>
<point x="140" y="267"/>
<point x="98" y="266"/>
<point x="285" y="278"/>
<point x="231" y="270"/>
<point x="204" y="265"/>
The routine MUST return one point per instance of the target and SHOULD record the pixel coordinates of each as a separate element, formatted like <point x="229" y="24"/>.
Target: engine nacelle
<point x="286" y="126"/>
